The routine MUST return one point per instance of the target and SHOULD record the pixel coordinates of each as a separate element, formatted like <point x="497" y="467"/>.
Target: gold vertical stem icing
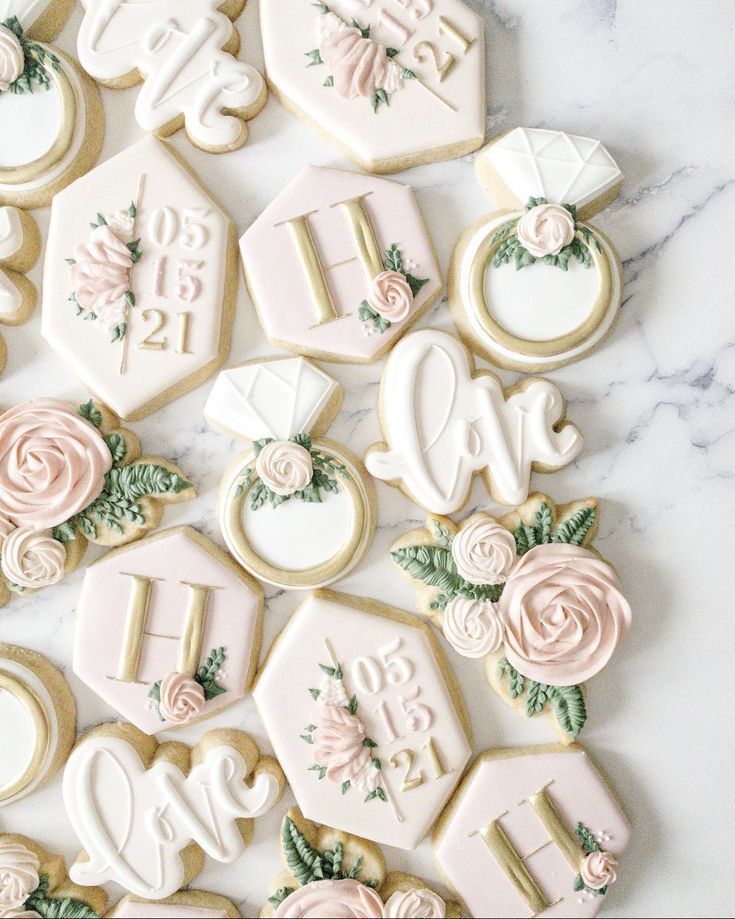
<point x="135" y="619"/>
<point x="368" y="250"/>
<point x="513" y="867"/>
<point x="562" y="837"/>
<point x="37" y="715"/>
<point x="190" y="647"/>
<point x="315" y="277"/>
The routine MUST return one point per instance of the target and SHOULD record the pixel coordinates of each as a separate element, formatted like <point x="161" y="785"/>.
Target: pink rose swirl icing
<point x="338" y="743"/>
<point x="359" y="65"/>
<point x="18" y="875"/>
<point x="182" y="698"/>
<point x="12" y="61"/>
<point x="32" y="558"/>
<point x="563" y="614"/>
<point x="346" y="899"/>
<point x="545" y="229"/>
<point x="391" y="296"/>
<point x="285" y="467"/>
<point x="599" y="869"/>
<point x="52" y="463"/>
<point x="101" y="276"/>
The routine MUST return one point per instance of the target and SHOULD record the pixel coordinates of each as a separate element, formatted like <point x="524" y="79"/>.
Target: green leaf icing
<point x="90" y="413"/>
<point x="567" y="702"/>
<point x="37" y="61"/>
<point x="51" y="908"/>
<point x="590" y="845"/>
<point x="279" y="896"/>
<point x="435" y="567"/>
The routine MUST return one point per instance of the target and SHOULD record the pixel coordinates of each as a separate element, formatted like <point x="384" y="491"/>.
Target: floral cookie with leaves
<point x="526" y="593"/>
<point x="35" y="883"/>
<point x="70" y="475"/>
<point x="20" y="246"/>
<point x="295" y="509"/>
<point x="534" y="286"/>
<point x="327" y="870"/>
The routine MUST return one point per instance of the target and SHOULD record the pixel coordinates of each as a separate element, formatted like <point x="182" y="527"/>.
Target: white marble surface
<point x="654" y="80"/>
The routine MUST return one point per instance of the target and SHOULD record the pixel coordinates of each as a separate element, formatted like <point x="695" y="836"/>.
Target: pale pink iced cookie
<point x="183" y="51"/>
<point x="186" y="904"/>
<point x="33" y="882"/>
<point x="20" y="246"/>
<point x="71" y="475"/>
<point x="532" y="285"/>
<point x="443" y="422"/>
<point x="528" y="595"/>
<point x="340" y="265"/>
<point x="51" y="117"/>
<point x="168" y="630"/>
<point x="295" y="509"/>
<point x="147" y="813"/>
<point x="532" y="831"/>
<point x="365" y="717"/>
<point x="140" y="279"/>
<point x="391" y="86"/>
<point x="331" y="873"/>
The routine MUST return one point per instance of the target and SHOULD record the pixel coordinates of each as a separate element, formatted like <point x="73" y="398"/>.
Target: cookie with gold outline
<point x="186" y="904"/>
<point x="20" y="246"/>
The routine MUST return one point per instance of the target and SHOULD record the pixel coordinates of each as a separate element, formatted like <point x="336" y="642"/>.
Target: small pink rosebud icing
<point x="12" y="61"/>
<point x="345" y="899"/>
<point x="391" y="296"/>
<point x="182" y="698"/>
<point x="284" y="467"/>
<point x="545" y="229"/>
<point x="18" y="875"/>
<point x="599" y="869"/>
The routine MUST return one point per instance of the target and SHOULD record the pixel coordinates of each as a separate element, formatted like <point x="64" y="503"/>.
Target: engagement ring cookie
<point x="365" y="717"/>
<point x="330" y="873"/>
<point x="37" y="714"/>
<point x="526" y="594"/>
<point x="340" y="265"/>
<point x="169" y="630"/>
<point x="295" y="509"/>
<point x="533" y="286"/>
<point x="392" y="84"/>
<point x="147" y="813"/>
<point x="183" y="52"/>
<point x="532" y="831"/>
<point x="20" y="246"/>
<point x="51" y="117"/>
<point x="140" y="279"/>
<point x="34" y="883"/>
<point x="186" y="904"/>
<point x="70" y="475"/>
<point x="443" y="422"/>
<point x="41" y="20"/>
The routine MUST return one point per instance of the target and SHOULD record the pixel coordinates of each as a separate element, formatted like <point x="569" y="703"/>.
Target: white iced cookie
<point x="532" y="831"/>
<point x="392" y="86"/>
<point x="443" y="422"/>
<point x="146" y="814"/>
<point x="51" y="118"/>
<point x="20" y="246"/>
<point x="140" y="279"/>
<point x="532" y="285"/>
<point x="183" y="52"/>
<point x="185" y="904"/>
<point x="295" y="509"/>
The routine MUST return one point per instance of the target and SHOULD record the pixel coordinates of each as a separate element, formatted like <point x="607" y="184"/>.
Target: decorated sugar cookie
<point x="328" y="872"/>
<point x="528" y="595"/>
<point x="183" y="52"/>
<point x="140" y="279"/>
<point x="51" y="118"/>
<point x="443" y="422"/>
<point x="365" y="718"/>
<point x="532" y="831"/>
<point x="70" y="475"/>
<point x="168" y="630"/>
<point x="41" y="20"/>
<point x="393" y="85"/>
<point x="340" y="265"/>
<point x="147" y="813"/>
<point x="34" y="883"/>
<point x="186" y="904"/>
<point x="20" y="246"/>
<point x="533" y="285"/>
<point x="37" y="711"/>
<point x="295" y="509"/>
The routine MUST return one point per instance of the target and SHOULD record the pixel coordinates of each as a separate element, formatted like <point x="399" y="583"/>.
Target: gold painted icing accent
<point x="36" y="712"/>
<point x="560" y="834"/>
<point x="190" y="648"/>
<point x="362" y="229"/>
<point x="135" y="619"/>
<point x="513" y="867"/>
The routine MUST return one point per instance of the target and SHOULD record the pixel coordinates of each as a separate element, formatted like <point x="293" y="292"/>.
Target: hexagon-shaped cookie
<point x="365" y="718"/>
<point x="393" y="84"/>
<point x="532" y="831"/>
<point x="139" y="279"/>
<point x="168" y="629"/>
<point x="340" y="265"/>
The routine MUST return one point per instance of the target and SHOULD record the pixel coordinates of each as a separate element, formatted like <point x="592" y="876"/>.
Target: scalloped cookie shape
<point x="20" y="246"/>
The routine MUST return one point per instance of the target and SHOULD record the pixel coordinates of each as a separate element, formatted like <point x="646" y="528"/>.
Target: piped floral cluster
<point x="179" y="697"/>
<point x="100" y="271"/>
<point x="287" y="469"/>
<point x="554" y="605"/>
<point x="392" y="293"/>
<point x="23" y="64"/>
<point x="545" y="232"/>
<point x="598" y="869"/>
<point x="25" y="892"/>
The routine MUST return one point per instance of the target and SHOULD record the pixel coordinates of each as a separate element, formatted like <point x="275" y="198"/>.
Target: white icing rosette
<point x="333" y="692"/>
<point x="284" y="467"/>
<point x="345" y="899"/>
<point x="472" y="627"/>
<point x="545" y="229"/>
<point x="32" y="558"/>
<point x="12" y="60"/>
<point x="18" y="875"/>
<point x="484" y="552"/>
<point x="391" y="296"/>
<point x="599" y="869"/>
<point x="182" y="698"/>
<point x="415" y="904"/>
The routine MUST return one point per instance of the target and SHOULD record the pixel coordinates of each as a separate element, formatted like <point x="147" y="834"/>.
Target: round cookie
<point x="51" y="119"/>
<point x="186" y="904"/>
<point x="20" y="246"/>
<point x="533" y="286"/>
<point x="38" y="712"/>
<point x="295" y="509"/>
<point x="527" y="594"/>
